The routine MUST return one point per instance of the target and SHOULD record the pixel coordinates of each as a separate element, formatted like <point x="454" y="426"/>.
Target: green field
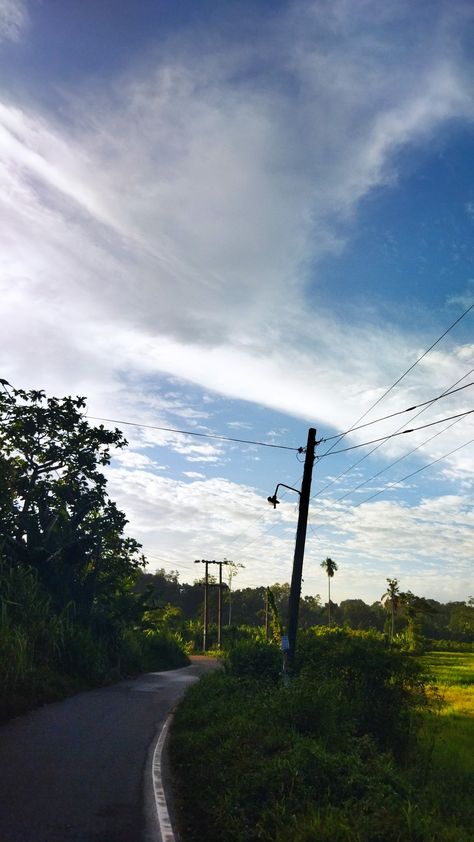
<point x="450" y="668"/>
<point x="450" y="732"/>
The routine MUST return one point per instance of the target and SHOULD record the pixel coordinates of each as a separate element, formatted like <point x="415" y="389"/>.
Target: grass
<point x="450" y="779"/>
<point x="450" y="668"/>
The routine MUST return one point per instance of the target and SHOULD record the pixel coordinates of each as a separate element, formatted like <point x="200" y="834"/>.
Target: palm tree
<point x="391" y="598"/>
<point x="330" y="567"/>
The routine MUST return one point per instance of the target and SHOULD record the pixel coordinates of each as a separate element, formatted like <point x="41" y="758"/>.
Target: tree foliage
<point x="330" y="567"/>
<point x="55" y="514"/>
<point x="391" y="600"/>
<point x="70" y="615"/>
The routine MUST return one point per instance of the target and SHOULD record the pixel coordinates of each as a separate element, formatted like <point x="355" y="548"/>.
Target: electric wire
<point x="381" y="444"/>
<point x="402" y="376"/>
<point x="401" y="433"/>
<point x="387" y="468"/>
<point x="457" y="419"/>
<point x="394" y="414"/>
<point x="397" y="482"/>
<point x="193" y="433"/>
<point x="337" y="437"/>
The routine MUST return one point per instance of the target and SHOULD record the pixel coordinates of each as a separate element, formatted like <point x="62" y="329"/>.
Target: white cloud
<point x="173" y="222"/>
<point x="428" y="546"/>
<point x="13" y="19"/>
<point x="227" y="228"/>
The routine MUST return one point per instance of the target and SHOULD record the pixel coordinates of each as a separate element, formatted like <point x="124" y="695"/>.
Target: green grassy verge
<point x="449" y="734"/>
<point x="333" y="757"/>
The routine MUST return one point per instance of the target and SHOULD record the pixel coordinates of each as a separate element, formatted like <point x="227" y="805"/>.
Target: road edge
<point x="162" y="814"/>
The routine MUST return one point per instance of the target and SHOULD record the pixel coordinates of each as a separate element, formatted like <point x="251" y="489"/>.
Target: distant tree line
<point x="432" y="619"/>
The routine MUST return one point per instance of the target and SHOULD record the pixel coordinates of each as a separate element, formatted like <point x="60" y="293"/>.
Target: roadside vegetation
<point x="350" y="750"/>
<point x="71" y="616"/>
<point x="418" y="623"/>
<point x="368" y="742"/>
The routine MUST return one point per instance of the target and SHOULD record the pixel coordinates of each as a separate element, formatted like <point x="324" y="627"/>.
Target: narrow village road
<point x="78" y="770"/>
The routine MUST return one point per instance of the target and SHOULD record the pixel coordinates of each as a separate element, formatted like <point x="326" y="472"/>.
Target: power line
<point x="425" y="404"/>
<point x="381" y="444"/>
<point x="383" y="470"/>
<point x="381" y="440"/>
<point x="400" y="412"/>
<point x="413" y="473"/>
<point x="193" y="433"/>
<point x="402" y="376"/>
<point x="401" y="433"/>
<point x="398" y="481"/>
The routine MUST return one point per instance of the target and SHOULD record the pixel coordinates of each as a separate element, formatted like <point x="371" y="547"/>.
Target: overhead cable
<point x="194" y="433"/>
<point x="397" y="482"/>
<point x="381" y="444"/>
<point x="394" y="414"/>
<point x="402" y="376"/>
<point x="387" y="468"/>
<point x="401" y="433"/>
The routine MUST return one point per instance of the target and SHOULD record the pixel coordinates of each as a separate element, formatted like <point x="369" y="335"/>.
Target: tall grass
<point x="46" y="654"/>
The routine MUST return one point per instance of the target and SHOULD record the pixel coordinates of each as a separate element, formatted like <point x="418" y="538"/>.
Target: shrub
<point x="317" y="759"/>
<point x="254" y="659"/>
<point x="379" y="687"/>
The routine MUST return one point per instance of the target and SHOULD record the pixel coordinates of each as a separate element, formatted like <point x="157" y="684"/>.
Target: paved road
<point x="78" y="770"/>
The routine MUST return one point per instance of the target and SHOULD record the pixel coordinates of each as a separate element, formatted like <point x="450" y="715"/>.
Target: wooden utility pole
<point x="205" y="626"/>
<point x="206" y="601"/>
<point x="219" y="608"/>
<point x="219" y="601"/>
<point x="295" y="590"/>
<point x="267" y="618"/>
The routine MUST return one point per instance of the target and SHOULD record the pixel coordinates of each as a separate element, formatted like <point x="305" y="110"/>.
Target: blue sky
<point x="245" y="219"/>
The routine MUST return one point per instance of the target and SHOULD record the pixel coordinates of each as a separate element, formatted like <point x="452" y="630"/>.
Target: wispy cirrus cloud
<point x="13" y="20"/>
<point x="175" y="220"/>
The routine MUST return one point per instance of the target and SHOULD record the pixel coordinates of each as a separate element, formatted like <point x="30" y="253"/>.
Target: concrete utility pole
<point x="295" y="590"/>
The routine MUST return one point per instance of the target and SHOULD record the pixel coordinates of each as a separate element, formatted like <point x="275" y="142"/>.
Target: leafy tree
<point x="310" y="611"/>
<point x="392" y="602"/>
<point x="357" y="614"/>
<point x="330" y="567"/>
<point x="415" y="609"/>
<point x="275" y="622"/>
<point x="55" y="513"/>
<point x="461" y="619"/>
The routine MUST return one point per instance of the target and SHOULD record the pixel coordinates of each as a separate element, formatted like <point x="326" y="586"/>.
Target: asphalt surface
<point x="78" y="771"/>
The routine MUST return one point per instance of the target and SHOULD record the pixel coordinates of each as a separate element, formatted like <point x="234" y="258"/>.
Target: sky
<point x="245" y="219"/>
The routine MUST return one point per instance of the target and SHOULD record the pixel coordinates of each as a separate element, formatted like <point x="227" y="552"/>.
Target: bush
<point x="46" y="655"/>
<point x="254" y="659"/>
<point x="379" y="687"/>
<point x="254" y="759"/>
